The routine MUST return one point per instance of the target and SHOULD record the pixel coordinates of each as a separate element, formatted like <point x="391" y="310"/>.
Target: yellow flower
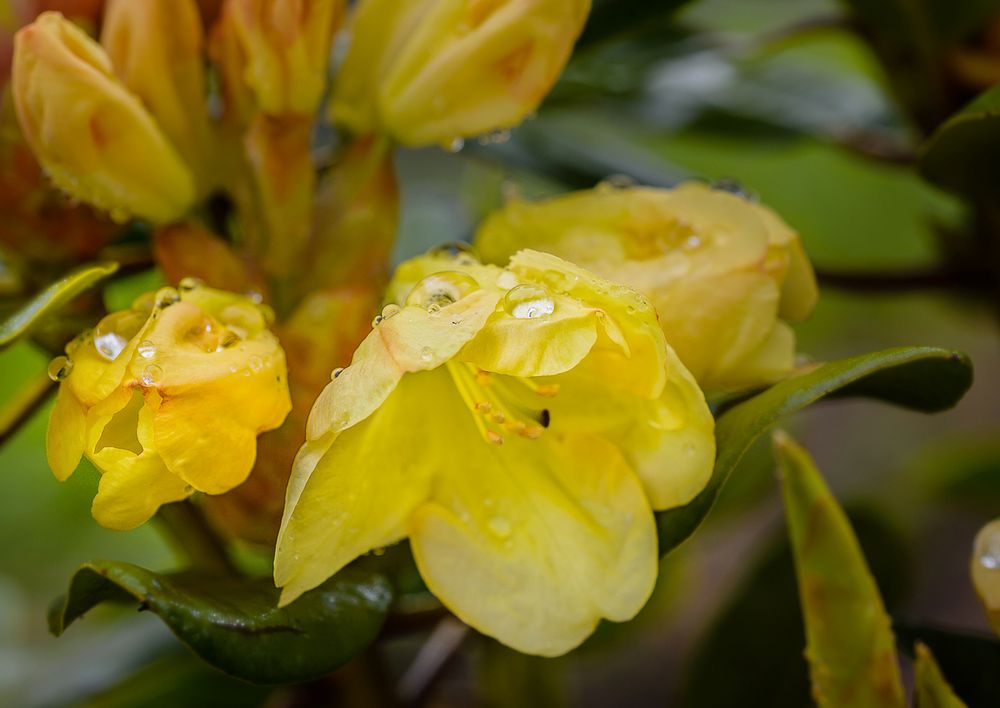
<point x="167" y="399"/>
<point x="286" y="49"/>
<point x="434" y="71"/>
<point x="93" y="136"/>
<point x="519" y="425"/>
<point x="723" y="272"/>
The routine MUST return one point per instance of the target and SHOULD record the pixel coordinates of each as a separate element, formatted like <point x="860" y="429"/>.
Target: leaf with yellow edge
<point x="932" y="690"/>
<point x="985" y="570"/>
<point x="850" y="646"/>
<point x="51" y="299"/>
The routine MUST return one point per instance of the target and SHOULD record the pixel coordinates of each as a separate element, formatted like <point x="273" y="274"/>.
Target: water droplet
<point x="337" y="372"/>
<point x="151" y="375"/>
<point x="110" y="344"/>
<point x="500" y="526"/>
<point x="255" y="363"/>
<point x="188" y="489"/>
<point x="188" y="284"/>
<point x="426" y="354"/>
<point x="616" y="182"/>
<point x="377" y="320"/>
<point x="456" y="145"/>
<point x="496" y="137"/>
<point x="692" y="242"/>
<point x="165" y="297"/>
<point x="441" y="289"/>
<point x="734" y="186"/>
<point x="60" y="368"/>
<point x="528" y="302"/>
<point x="459" y="251"/>
<point x="390" y="310"/>
<point x="255" y="296"/>
<point x="987" y="550"/>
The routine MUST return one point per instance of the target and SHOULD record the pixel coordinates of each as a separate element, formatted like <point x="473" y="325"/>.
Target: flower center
<point x="502" y="405"/>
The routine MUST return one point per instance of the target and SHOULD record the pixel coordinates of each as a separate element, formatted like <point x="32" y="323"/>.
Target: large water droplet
<point x="500" y="526"/>
<point x="60" y="368"/>
<point x="146" y="349"/>
<point x="152" y="375"/>
<point x="441" y="289"/>
<point x="528" y="301"/>
<point x="109" y="344"/>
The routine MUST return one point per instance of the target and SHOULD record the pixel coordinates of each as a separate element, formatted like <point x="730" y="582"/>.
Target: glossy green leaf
<point x="926" y="379"/>
<point x="756" y="639"/>
<point x="963" y="155"/>
<point x="51" y="299"/>
<point x="235" y="624"/>
<point x="984" y="567"/>
<point x="932" y="690"/>
<point x="849" y="642"/>
<point x="969" y="661"/>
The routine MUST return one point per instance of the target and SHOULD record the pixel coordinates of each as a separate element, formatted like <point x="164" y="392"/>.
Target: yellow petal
<point x="799" y="292"/>
<point x="64" y="439"/>
<point x="346" y="498"/>
<point x="534" y="541"/>
<point x="985" y="570"/>
<point x="92" y="136"/>
<point x="411" y="340"/>
<point x="156" y="48"/>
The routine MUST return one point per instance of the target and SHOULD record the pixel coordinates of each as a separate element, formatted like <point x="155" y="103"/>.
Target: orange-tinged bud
<point x="189" y="250"/>
<point x="156" y="48"/>
<point x="433" y="71"/>
<point x="287" y="45"/>
<point x="91" y="135"/>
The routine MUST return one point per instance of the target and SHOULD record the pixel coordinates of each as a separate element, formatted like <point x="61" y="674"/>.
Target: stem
<point x="191" y="536"/>
<point x="24" y="404"/>
<point x="432" y="660"/>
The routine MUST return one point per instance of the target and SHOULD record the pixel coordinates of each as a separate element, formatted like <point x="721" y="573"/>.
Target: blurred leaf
<point x="932" y="690"/>
<point x="912" y="37"/>
<point x="756" y="640"/>
<point x="849" y="642"/>
<point x="611" y="17"/>
<point x="971" y="662"/>
<point x="985" y="570"/>
<point x="510" y="679"/>
<point x="51" y="299"/>
<point x="963" y="155"/>
<point x="235" y="624"/>
<point x="965" y="470"/>
<point x="926" y="379"/>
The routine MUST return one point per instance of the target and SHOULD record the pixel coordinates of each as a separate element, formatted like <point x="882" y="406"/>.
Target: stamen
<point x="497" y="402"/>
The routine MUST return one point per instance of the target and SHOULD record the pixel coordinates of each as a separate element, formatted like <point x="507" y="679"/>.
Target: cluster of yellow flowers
<point x="517" y="414"/>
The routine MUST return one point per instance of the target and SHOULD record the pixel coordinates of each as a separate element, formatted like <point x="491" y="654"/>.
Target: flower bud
<point x="287" y="47"/>
<point x="166" y="399"/>
<point x="438" y="70"/>
<point x="92" y="136"/>
<point x="156" y="48"/>
<point x="722" y="272"/>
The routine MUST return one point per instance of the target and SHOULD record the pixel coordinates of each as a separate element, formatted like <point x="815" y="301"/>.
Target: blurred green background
<point x="781" y="96"/>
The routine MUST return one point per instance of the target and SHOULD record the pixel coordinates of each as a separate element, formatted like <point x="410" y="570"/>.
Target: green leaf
<point x="51" y="299"/>
<point x="963" y="155"/>
<point x="235" y="624"/>
<point x="756" y="639"/>
<point x="926" y="379"/>
<point x="849" y="643"/>
<point x="932" y="690"/>
<point x="969" y="661"/>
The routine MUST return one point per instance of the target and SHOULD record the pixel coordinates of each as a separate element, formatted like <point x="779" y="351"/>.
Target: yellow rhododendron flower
<point x="93" y="136"/>
<point x="166" y="399"/>
<point x="286" y="47"/>
<point x="433" y="71"/>
<point x="724" y="273"/>
<point x="519" y="425"/>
